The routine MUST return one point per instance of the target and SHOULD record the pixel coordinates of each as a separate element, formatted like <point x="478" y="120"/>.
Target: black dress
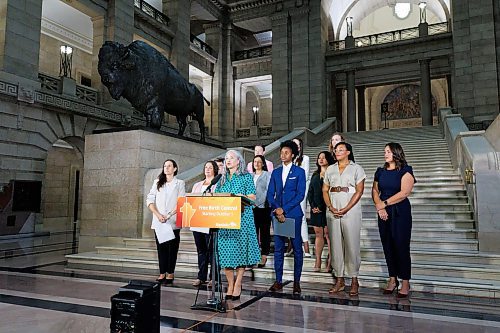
<point x="395" y="233"/>
<point x="315" y="198"/>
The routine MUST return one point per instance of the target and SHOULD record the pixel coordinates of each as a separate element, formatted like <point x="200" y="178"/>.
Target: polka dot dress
<point x="239" y="247"/>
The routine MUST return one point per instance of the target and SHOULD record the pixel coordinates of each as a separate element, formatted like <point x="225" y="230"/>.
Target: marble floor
<point x="38" y="294"/>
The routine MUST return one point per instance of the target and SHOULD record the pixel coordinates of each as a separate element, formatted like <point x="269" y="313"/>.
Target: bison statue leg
<point x="198" y="116"/>
<point x="154" y="118"/>
<point x="181" y="120"/>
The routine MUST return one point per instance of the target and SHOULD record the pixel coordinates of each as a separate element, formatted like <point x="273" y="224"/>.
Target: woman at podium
<point x="237" y="248"/>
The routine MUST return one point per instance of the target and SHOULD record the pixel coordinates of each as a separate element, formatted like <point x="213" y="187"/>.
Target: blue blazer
<point x="290" y="197"/>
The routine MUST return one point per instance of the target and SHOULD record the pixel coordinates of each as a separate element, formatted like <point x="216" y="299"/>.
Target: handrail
<point x="150" y="11"/>
<point x="202" y="45"/>
<point x="253" y="53"/>
<point x="391" y="36"/>
<point x="50" y="83"/>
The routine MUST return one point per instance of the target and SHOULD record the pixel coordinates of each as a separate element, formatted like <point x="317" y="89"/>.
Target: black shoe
<point x="296" y="288"/>
<point x="169" y="281"/>
<point x="389" y="291"/>
<point x="277" y="286"/>
<point x="229" y="297"/>
<point x="236" y="297"/>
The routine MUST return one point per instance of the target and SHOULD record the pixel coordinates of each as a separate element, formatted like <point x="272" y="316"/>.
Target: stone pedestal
<point x="67" y="86"/>
<point x="115" y="165"/>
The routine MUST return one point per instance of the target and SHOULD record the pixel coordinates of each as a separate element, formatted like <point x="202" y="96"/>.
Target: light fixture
<point x="402" y="10"/>
<point x="66" y="61"/>
<point x="349" y="25"/>
<point x="255" y="110"/>
<point x="359" y="43"/>
<point x="423" y="16"/>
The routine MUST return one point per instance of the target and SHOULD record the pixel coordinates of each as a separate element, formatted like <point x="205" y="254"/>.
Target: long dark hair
<point x="300" y="157"/>
<point x="348" y="147"/>
<point x="398" y="155"/>
<point x="329" y="158"/>
<point x="214" y="165"/>
<point x="264" y="164"/>
<point x="162" y="177"/>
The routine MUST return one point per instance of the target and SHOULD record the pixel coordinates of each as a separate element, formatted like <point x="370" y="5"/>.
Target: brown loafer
<point x="277" y="286"/>
<point x="296" y="288"/>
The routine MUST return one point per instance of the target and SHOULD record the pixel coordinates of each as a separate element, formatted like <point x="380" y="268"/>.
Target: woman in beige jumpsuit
<point x="344" y="215"/>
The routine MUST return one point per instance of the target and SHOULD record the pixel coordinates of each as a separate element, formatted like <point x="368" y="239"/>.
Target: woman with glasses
<point x="392" y="185"/>
<point x="344" y="215"/>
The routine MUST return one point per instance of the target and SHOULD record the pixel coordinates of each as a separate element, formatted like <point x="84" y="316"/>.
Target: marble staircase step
<point x="437" y="200"/>
<point x="416" y="207"/>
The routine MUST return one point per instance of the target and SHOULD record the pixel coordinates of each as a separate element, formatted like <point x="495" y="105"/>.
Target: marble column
<point x="351" y="102"/>
<point x="178" y="11"/>
<point x="361" y="108"/>
<point x="20" y="22"/>
<point x="425" y="93"/>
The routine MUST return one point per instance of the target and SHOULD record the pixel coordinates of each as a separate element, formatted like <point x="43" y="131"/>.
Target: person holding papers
<point x="162" y="202"/>
<point x="286" y="191"/>
<point x="237" y="248"/>
<point x="201" y="235"/>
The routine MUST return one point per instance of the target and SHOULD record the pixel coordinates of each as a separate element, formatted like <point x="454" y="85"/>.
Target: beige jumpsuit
<point x="344" y="232"/>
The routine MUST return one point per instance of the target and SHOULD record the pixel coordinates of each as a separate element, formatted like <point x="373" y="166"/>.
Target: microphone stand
<point x="215" y="301"/>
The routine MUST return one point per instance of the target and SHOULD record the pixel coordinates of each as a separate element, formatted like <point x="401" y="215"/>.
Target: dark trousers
<point x="167" y="253"/>
<point x="203" y="245"/>
<point x="395" y="234"/>
<point x="298" y="254"/>
<point x="262" y="219"/>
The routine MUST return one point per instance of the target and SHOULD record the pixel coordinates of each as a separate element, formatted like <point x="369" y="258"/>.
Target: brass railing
<point x="202" y="45"/>
<point x="150" y="11"/>
<point x="253" y="53"/>
<point x="391" y="36"/>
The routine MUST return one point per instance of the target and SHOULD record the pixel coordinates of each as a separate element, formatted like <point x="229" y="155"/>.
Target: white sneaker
<point x="289" y="254"/>
<point x="307" y="255"/>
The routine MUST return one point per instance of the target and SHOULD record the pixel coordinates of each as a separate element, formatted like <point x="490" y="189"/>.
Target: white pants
<point x="303" y="228"/>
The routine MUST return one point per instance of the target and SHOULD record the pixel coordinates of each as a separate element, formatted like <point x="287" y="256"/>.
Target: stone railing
<point x="391" y="36"/>
<point x="50" y="83"/>
<point x="243" y="132"/>
<point x="150" y="11"/>
<point x="253" y="53"/>
<point x="265" y="130"/>
<point x="203" y="46"/>
<point x="478" y="161"/>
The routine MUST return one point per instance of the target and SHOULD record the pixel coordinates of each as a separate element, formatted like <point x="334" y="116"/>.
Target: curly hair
<point x="292" y="145"/>
<point x="241" y="165"/>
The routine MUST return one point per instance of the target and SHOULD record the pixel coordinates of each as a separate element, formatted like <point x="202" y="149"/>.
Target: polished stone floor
<point x="38" y="294"/>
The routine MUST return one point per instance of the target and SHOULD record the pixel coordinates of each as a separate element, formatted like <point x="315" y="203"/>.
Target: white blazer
<point x="165" y="200"/>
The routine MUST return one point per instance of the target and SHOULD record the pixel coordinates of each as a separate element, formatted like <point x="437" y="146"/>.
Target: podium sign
<point x="222" y="212"/>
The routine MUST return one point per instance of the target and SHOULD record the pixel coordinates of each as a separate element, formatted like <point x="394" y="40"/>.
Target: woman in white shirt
<point x="162" y="202"/>
<point x="303" y="161"/>
<point x="201" y="238"/>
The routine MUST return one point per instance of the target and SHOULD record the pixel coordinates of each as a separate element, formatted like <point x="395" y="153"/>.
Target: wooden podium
<point x="214" y="211"/>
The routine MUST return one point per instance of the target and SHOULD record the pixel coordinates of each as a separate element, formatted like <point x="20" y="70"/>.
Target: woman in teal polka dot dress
<point x="237" y="248"/>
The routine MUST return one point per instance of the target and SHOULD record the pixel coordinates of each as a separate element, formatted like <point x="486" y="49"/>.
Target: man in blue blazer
<point x="286" y="191"/>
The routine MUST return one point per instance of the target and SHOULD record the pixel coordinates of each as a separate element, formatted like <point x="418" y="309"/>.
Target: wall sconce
<point x="255" y="110"/>
<point x="423" y="16"/>
<point x="349" y="25"/>
<point x="66" y="61"/>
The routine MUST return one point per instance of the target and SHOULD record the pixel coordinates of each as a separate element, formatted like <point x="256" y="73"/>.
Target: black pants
<point x="262" y="219"/>
<point x="203" y="245"/>
<point x="167" y="253"/>
<point x="395" y="234"/>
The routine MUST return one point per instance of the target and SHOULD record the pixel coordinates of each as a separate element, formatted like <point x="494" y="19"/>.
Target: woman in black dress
<point x="392" y="185"/>
<point x="318" y="208"/>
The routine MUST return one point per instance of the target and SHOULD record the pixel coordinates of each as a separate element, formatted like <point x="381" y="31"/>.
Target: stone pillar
<point x="179" y="13"/>
<point x="425" y="93"/>
<point x="339" y="98"/>
<point x="212" y="38"/>
<point x="475" y="66"/>
<point x="20" y="23"/>
<point x="281" y="72"/>
<point x="351" y="102"/>
<point x="361" y="108"/>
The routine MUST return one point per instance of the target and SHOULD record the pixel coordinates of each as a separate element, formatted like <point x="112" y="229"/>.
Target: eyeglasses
<point x="339" y="150"/>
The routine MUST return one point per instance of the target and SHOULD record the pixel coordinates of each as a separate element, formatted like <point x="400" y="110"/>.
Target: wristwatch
<point x="385" y="203"/>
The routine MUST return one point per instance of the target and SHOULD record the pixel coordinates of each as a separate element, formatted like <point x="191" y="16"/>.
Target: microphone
<point x="212" y="183"/>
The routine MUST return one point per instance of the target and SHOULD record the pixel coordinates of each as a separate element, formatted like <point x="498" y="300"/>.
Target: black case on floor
<point x="136" y="308"/>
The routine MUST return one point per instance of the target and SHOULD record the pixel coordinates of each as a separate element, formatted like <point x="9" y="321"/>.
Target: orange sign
<point x="209" y="212"/>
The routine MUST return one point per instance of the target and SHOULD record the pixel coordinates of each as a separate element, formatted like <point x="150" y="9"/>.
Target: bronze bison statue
<point x="144" y="77"/>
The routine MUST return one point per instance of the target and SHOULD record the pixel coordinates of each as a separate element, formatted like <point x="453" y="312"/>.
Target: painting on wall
<point x="404" y="103"/>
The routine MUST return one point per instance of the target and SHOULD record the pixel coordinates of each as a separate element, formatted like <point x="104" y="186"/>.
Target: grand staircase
<point x="444" y="246"/>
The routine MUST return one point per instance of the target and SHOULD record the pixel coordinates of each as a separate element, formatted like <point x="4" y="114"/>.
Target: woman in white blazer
<point x="162" y="201"/>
